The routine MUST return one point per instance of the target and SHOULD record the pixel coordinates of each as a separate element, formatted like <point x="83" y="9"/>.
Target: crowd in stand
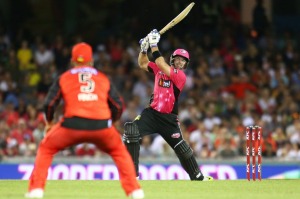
<point x="236" y="78"/>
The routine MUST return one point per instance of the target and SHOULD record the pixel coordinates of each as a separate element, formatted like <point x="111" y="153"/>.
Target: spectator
<point x="210" y="118"/>
<point x="159" y="147"/>
<point x="85" y="149"/>
<point x="3" y="143"/>
<point x="43" y="57"/>
<point x="146" y="149"/>
<point x="38" y="132"/>
<point x="227" y="150"/>
<point x="199" y="138"/>
<point x="24" y="55"/>
<point x="21" y="132"/>
<point x="28" y="147"/>
<point x="140" y="88"/>
<point x="259" y="18"/>
<point x="239" y="86"/>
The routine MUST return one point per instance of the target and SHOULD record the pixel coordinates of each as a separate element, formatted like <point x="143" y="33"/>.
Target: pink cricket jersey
<point x="165" y="95"/>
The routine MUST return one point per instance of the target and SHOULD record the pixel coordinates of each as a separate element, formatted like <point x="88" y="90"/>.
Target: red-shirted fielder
<point x="90" y="105"/>
<point x="162" y="114"/>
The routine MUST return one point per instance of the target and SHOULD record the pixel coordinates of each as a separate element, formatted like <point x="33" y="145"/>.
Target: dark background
<point x="98" y="19"/>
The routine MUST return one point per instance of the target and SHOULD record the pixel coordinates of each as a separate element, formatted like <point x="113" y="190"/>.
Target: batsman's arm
<point x="160" y="61"/>
<point x="143" y="61"/>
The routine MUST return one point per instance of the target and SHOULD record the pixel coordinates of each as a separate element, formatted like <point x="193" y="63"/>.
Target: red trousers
<point x="107" y="140"/>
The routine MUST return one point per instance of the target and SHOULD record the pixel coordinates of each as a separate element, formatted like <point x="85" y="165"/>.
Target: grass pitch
<point x="176" y="189"/>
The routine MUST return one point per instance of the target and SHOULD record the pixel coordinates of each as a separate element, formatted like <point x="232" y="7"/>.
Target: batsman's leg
<point x="131" y="138"/>
<point x="188" y="161"/>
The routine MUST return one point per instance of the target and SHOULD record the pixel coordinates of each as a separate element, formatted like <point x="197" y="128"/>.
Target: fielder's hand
<point x="153" y="37"/>
<point x="144" y="43"/>
<point x="48" y="127"/>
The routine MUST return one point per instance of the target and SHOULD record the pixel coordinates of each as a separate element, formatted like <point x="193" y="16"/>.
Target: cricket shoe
<point x="137" y="194"/>
<point x="35" y="193"/>
<point x="208" y="178"/>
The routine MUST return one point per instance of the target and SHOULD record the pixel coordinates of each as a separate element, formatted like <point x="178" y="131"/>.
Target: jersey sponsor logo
<point x="164" y="83"/>
<point x="83" y="97"/>
<point x="175" y="135"/>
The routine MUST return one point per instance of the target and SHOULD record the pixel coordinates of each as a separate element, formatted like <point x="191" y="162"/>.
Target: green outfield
<point x="177" y="189"/>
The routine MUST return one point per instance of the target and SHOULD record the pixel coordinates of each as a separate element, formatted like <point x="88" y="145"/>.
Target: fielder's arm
<point x="51" y="102"/>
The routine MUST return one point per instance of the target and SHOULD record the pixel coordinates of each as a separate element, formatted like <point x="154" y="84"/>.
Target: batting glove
<point x="153" y="37"/>
<point x="144" y="43"/>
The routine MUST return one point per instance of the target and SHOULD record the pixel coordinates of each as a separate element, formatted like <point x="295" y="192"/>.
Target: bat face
<point x="178" y="18"/>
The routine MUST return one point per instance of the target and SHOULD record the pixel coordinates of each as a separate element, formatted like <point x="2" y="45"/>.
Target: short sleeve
<point x="154" y="67"/>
